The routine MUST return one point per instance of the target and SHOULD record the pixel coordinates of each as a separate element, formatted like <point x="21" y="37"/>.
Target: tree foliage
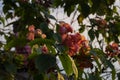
<point x="36" y="49"/>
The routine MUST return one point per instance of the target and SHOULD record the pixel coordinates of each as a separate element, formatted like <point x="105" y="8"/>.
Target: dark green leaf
<point x="61" y="48"/>
<point x="82" y="29"/>
<point x="32" y="56"/>
<point x="48" y="15"/>
<point x="69" y="9"/>
<point x="9" y="15"/>
<point x="95" y="5"/>
<point x="15" y="42"/>
<point x="11" y="68"/>
<point x="42" y="41"/>
<point x="44" y="26"/>
<point x="99" y="53"/>
<point x="51" y="49"/>
<point x="102" y="9"/>
<point x="5" y="76"/>
<point x="85" y="9"/>
<point x="118" y="75"/>
<point x="57" y="37"/>
<point x="2" y="20"/>
<point x="44" y="62"/>
<point x="116" y="28"/>
<point x="97" y="34"/>
<point x="91" y="34"/>
<point x="94" y="76"/>
<point x="46" y="30"/>
<point x="110" y="2"/>
<point x="38" y="77"/>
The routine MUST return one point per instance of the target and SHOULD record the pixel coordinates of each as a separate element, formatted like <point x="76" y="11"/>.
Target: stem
<point x="74" y="15"/>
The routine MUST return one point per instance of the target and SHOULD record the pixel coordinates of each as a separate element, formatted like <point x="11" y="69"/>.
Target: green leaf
<point x="102" y="9"/>
<point x="46" y="30"/>
<point x="32" y="56"/>
<point x="85" y="9"/>
<point x="74" y="68"/>
<point x="44" y="27"/>
<point x="101" y="55"/>
<point x="42" y="41"/>
<point x="9" y="45"/>
<point x="48" y="15"/>
<point x="51" y="49"/>
<point x="97" y="34"/>
<point x="5" y="76"/>
<point x="57" y="37"/>
<point x="61" y="48"/>
<point x="80" y="18"/>
<point x="94" y="76"/>
<point x="69" y="9"/>
<point x="91" y="77"/>
<point x="15" y="42"/>
<point x="38" y="77"/>
<point x="44" y="62"/>
<point x="118" y="75"/>
<point x="116" y="28"/>
<point x="110" y="2"/>
<point x="111" y="66"/>
<point x="82" y="29"/>
<point x="2" y="20"/>
<point x="95" y="5"/>
<point x="91" y="34"/>
<point x="58" y="3"/>
<point x="96" y="59"/>
<point x="90" y="2"/>
<point x="9" y="15"/>
<point x="66" y="63"/>
<point x="80" y="73"/>
<point x="11" y="68"/>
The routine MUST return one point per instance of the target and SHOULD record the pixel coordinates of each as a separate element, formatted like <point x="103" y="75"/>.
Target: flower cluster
<point x="74" y="41"/>
<point x="100" y="24"/>
<point x="77" y="45"/>
<point x="34" y="33"/>
<point x="26" y="50"/>
<point x="112" y="50"/>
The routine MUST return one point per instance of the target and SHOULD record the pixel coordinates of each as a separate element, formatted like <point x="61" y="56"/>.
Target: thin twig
<point x="74" y="16"/>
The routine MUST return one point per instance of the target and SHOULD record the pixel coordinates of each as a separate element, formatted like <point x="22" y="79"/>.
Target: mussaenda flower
<point x="30" y="36"/>
<point x="44" y="49"/>
<point x="31" y="28"/>
<point x="65" y="28"/>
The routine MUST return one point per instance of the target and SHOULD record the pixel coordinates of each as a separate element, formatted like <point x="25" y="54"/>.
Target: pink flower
<point x="31" y="28"/>
<point x="44" y="49"/>
<point x="30" y="36"/>
<point x="65" y="28"/>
